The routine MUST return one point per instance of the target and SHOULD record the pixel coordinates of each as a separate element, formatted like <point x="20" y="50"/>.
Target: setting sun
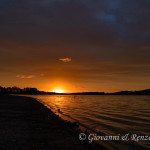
<point x="58" y="91"/>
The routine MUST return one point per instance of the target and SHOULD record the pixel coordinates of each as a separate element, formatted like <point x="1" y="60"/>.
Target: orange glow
<point x="58" y="91"/>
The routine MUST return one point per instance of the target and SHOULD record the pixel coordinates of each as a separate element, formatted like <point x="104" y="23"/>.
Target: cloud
<point x="65" y="59"/>
<point x="100" y="31"/>
<point x="25" y="77"/>
<point x="42" y="74"/>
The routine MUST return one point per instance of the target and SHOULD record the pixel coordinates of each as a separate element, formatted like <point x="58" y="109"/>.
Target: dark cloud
<point x="78" y="22"/>
<point x="36" y="33"/>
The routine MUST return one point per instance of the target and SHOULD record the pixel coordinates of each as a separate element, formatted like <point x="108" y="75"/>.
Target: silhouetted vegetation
<point x="16" y="90"/>
<point x="28" y="90"/>
<point x="142" y="92"/>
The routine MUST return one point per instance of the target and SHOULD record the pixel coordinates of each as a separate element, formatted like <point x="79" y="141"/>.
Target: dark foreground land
<point x="25" y="124"/>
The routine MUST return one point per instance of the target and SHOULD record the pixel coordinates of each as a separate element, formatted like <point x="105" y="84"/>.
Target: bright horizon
<point x="65" y="91"/>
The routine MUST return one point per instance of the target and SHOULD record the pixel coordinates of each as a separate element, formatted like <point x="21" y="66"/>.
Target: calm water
<point x="106" y="115"/>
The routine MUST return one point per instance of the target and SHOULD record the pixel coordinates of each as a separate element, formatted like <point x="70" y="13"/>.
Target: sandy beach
<point x="26" y="124"/>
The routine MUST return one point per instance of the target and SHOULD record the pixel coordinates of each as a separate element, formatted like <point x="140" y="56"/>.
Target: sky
<point x="75" y="45"/>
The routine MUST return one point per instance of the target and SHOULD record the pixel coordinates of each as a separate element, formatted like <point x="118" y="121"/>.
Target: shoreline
<point x="27" y="124"/>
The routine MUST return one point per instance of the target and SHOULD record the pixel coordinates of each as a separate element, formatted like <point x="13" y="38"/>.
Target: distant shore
<point x="17" y="90"/>
<point x="27" y="124"/>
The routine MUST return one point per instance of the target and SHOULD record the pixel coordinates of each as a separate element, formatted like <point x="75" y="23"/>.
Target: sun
<point x="58" y="91"/>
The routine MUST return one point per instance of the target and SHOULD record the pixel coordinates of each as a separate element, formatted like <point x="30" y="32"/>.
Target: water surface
<point x="105" y="115"/>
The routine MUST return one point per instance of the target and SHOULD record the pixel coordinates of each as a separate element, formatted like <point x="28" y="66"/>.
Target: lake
<point x="106" y="115"/>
